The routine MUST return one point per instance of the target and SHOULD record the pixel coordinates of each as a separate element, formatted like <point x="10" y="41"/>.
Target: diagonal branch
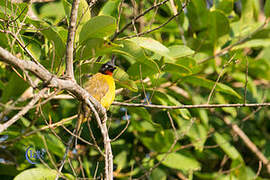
<point x="249" y="143"/>
<point x="70" y="39"/>
<point x="29" y="106"/>
<point x="137" y="17"/>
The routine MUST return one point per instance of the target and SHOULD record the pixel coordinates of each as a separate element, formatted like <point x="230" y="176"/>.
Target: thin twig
<point x="125" y="128"/>
<point x="145" y="95"/>
<point x="137" y="17"/>
<point x="119" y="15"/>
<point x="81" y="166"/>
<point x="220" y="74"/>
<point x="246" y="81"/>
<point x="65" y="155"/>
<point x="191" y="106"/>
<point x="22" y="46"/>
<point x="154" y="29"/>
<point x="259" y="170"/>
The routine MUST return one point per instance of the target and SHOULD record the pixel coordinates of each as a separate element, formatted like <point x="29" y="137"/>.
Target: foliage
<point x="210" y="44"/>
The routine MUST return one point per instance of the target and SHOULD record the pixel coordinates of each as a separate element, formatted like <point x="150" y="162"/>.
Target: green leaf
<point x="166" y="99"/>
<point x="247" y="13"/>
<point x="198" y="136"/>
<point x="12" y="90"/>
<point x="267" y="8"/>
<point x="230" y="150"/>
<point x="241" y="77"/>
<point x="180" y="162"/>
<point x="53" y="11"/>
<point x="161" y="141"/>
<point x="142" y="113"/>
<point x="176" y="68"/>
<point x="84" y="13"/>
<point x="33" y="46"/>
<point x="91" y="48"/>
<point x="178" y="51"/>
<point x="109" y="8"/>
<point x="231" y="110"/>
<point x="67" y="8"/>
<point x="197" y="99"/>
<point x="36" y="174"/>
<point x="151" y="44"/>
<point x="121" y="160"/>
<point x="98" y="27"/>
<point x="122" y="79"/>
<point x="197" y="14"/>
<point x="224" y="5"/>
<point x="253" y="43"/>
<point x="146" y="70"/>
<point x="199" y="81"/>
<point x="129" y="84"/>
<point x="218" y="25"/>
<point x="132" y="51"/>
<point x="159" y="174"/>
<point x="55" y="144"/>
<point x="52" y="34"/>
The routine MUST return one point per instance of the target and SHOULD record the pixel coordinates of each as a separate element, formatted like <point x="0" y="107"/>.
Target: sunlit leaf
<point x="180" y="162"/>
<point x="98" y="27"/>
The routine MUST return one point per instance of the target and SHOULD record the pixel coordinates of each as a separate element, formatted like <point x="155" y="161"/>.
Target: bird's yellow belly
<point x="108" y="99"/>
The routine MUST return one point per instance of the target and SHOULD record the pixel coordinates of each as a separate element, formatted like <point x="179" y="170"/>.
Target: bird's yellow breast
<point x="102" y="88"/>
<point x="108" y="99"/>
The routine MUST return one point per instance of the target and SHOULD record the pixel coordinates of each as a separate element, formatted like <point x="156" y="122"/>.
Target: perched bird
<point x="102" y="87"/>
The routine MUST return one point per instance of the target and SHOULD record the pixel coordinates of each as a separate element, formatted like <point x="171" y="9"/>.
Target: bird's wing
<point x="97" y="86"/>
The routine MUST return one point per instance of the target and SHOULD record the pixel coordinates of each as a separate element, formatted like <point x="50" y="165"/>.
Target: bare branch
<point x="249" y="143"/>
<point x="70" y="39"/>
<point x="246" y="82"/>
<point x="191" y="106"/>
<point x="4" y="126"/>
<point x="106" y="140"/>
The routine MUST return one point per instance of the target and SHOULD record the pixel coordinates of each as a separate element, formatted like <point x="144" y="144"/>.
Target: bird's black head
<point x="107" y="68"/>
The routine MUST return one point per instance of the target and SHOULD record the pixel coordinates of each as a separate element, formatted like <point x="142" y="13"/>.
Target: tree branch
<point x="249" y="143"/>
<point x="4" y="126"/>
<point x="190" y="106"/>
<point x="70" y="40"/>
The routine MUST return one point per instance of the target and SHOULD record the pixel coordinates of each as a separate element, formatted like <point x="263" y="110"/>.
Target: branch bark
<point x="70" y="39"/>
<point x="29" y="106"/>
<point x="191" y="106"/>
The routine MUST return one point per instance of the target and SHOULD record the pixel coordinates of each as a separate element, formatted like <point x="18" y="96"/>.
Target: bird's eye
<point x="106" y="66"/>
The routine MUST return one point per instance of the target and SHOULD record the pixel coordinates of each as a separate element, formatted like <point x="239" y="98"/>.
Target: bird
<point x="101" y="86"/>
